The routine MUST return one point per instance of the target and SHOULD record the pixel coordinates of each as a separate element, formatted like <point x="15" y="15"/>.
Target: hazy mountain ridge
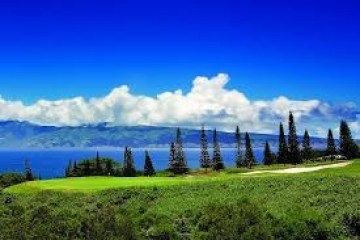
<point x="14" y="134"/>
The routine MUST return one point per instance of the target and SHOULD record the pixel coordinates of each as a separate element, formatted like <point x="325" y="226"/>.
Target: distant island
<point x="20" y="135"/>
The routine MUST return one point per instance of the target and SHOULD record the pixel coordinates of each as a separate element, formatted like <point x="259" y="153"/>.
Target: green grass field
<point x="84" y="184"/>
<point x="314" y="205"/>
<point x="96" y="183"/>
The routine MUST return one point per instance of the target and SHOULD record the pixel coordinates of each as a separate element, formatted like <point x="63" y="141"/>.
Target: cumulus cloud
<point x="208" y="102"/>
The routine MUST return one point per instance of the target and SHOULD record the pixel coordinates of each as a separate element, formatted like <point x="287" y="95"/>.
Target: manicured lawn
<point x="85" y="184"/>
<point x="96" y="183"/>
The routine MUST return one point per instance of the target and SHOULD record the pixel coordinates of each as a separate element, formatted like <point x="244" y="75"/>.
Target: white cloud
<point x="209" y="102"/>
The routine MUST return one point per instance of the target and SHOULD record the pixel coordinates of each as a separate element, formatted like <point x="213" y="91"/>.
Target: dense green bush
<point x="158" y="226"/>
<point x="9" y="179"/>
<point x="232" y="221"/>
<point x="352" y="223"/>
<point x="301" y="224"/>
<point x="45" y="221"/>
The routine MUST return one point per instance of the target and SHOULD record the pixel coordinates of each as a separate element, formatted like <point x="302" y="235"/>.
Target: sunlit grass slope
<point x="85" y="184"/>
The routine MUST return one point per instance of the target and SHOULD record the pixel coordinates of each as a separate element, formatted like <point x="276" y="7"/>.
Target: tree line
<point x="100" y="166"/>
<point x="290" y="151"/>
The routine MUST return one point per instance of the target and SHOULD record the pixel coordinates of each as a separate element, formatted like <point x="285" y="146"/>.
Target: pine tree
<point x="28" y="172"/>
<point x="75" y="170"/>
<point x="283" y="147"/>
<point x="239" y="158"/>
<point x="87" y="169"/>
<point x="177" y="160"/>
<point x="68" y="169"/>
<point x="148" y="166"/>
<point x="204" y="155"/>
<point x="172" y="158"/>
<point x="331" y="147"/>
<point x="294" y="150"/>
<point x="268" y="155"/>
<point x="180" y="158"/>
<point x="217" y="162"/>
<point x="348" y="147"/>
<point x="131" y="162"/>
<point x="109" y="168"/>
<point x="249" y="154"/>
<point x="98" y="167"/>
<point x="307" y="152"/>
<point x="125" y="161"/>
<point x="129" y="166"/>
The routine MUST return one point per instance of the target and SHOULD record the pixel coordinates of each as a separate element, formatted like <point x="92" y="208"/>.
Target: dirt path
<point x="301" y="169"/>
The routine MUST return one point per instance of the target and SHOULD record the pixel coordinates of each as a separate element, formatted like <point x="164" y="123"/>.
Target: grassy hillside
<point x="318" y="205"/>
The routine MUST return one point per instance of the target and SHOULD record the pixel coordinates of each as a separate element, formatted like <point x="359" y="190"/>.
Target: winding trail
<point x="302" y="169"/>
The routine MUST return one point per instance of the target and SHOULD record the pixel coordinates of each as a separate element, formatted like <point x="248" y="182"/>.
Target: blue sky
<point x="303" y="50"/>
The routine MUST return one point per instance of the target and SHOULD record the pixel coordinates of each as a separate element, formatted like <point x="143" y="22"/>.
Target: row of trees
<point x="108" y="167"/>
<point x="93" y="167"/>
<point x="178" y="163"/>
<point x="129" y="169"/>
<point x="290" y="151"/>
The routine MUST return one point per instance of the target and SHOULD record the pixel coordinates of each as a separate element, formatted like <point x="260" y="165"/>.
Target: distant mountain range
<point x="14" y="135"/>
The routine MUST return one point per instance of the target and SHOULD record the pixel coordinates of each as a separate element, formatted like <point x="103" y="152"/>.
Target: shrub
<point x="9" y="179"/>
<point x="158" y="226"/>
<point x="232" y="221"/>
<point x="352" y="223"/>
<point x="104" y="223"/>
<point x="301" y="224"/>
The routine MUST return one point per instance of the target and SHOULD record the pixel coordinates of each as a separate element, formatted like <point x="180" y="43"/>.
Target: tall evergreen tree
<point x="268" y="155"/>
<point x="68" y="169"/>
<point x="307" y="152"/>
<point x="294" y="150"/>
<point x="217" y="162"/>
<point x="129" y="166"/>
<point x="249" y="154"/>
<point x="75" y="170"/>
<point x="98" y="167"/>
<point x="177" y="161"/>
<point x="239" y="158"/>
<point x="125" y="161"/>
<point x="283" y="147"/>
<point x="348" y="147"/>
<point x="28" y="174"/>
<point x="331" y="147"/>
<point x="87" y="169"/>
<point x="204" y="155"/>
<point x="109" y="168"/>
<point x="180" y="154"/>
<point x="148" y="166"/>
<point x="172" y="158"/>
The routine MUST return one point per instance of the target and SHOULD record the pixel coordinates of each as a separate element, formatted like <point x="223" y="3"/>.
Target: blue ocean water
<point x="52" y="163"/>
